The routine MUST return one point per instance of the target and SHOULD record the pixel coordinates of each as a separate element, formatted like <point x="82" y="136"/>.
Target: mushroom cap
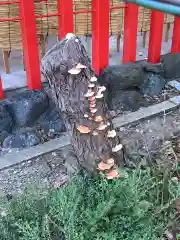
<point x="91" y="85"/>
<point x="102" y="127"/>
<point x="89" y="94"/>
<point x="92" y="105"/>
<point x="93" y="110"/>
<point x="117" y="148"/>
<point x="81" y="66"/>
<point x="102" y="166"/>
<point x="69" y="35"/>
<point x="113" y="174"/>
<point x="83" y="129"/>
<point x="86" y="115"/>
<point x="93" y="79"/>
<point x="110" y="161"/>
<point x="102" y="89"/>
<point x="74" y="71"/>
<point x="98" y="119"/>
<point x="95" y="133"/>
<point x="98" y="96"/>
<point x="111" y="134"/>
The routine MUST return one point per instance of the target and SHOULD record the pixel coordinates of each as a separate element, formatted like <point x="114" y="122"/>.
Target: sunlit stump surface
<point x="80" y="99"/>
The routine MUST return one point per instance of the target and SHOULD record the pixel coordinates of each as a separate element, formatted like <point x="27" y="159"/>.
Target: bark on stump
<point x="78" y="96"/>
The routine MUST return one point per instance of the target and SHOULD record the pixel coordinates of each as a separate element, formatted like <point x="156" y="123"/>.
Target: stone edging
<point x="11" y="159"/>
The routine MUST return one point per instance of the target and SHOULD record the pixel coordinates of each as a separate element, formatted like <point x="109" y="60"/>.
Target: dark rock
<point x="3" y="135"/>
<point x="21" y="140"/>
<point x="153" y="84"/>
<point x="126" y="101"/>
<point x="123" y="77"/>
<point x="26" y="107"/>
<point x="153" y="68"/>
<point x="5" y="119"/>
<point x="171" y="65"/>
<point x="53" y="123"/>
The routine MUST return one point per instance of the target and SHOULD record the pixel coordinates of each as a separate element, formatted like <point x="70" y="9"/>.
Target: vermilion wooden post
<point x="30" y="44"/>
<point x="1" y="89"/>
<point x="155" y="38"/>
<point x="176" y="36"/>
<point x="130" y="32"/>
<point x="65" y="19"/>
<point x="100" y="34"/>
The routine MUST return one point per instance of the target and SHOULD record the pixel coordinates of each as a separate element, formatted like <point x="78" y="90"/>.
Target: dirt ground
<point x="149" y="141"/>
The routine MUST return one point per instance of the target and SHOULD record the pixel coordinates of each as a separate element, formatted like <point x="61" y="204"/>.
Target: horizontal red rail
<point x="7" y="3"/>
<point x="10" y="19"/>
<point x="118" y="7"/>
<point x="47" y="15"/>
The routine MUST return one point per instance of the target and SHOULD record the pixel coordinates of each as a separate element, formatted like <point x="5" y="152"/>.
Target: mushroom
<point x="93" y="110"/>
<point x="92" y="105"/>
<point x="95" y="133"/>
<point x="93" y="79"/>
<point x="99" y="96"/>
<point x="91" y="85"/>
<point x="110" y="161"/>
<point x="98" y="119"/>
<point x="69" y="36"/>
<point x="81" y="66"/>
<point x="102" y="127"/>
<point x="102" y="166"/>
<point x="102" y="89"/>
<point x="74" y="71"/>
<point x="113" y="174"/>
<point x="92" y="98"/>
<point x="89" y="94"/>
<point x="111" y="134"/>
<point x="86" y="115"/>
<point x="83" y="129"/>
<point x="117" y="148"/>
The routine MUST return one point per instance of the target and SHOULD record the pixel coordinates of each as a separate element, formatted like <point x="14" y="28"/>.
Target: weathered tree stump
<point x="78" y="96"/>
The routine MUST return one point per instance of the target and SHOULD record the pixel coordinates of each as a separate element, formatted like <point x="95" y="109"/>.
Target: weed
<point x="92" y="208"/>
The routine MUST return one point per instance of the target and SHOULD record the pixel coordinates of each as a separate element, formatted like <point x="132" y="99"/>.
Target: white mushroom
<point x="86" y="115"/>
<point x="89" y="94"/>
<point x="93" y="110"/>
<point x="102" y="127"/>
<point x="102" y="89"/>
<point x="69" y="35"/>
<point x="110" y="161"/>
<point x="117" y="148"/>
<point x="81" y="66"/>
<point x="74" y="71"/>
<point x="111" y="134"/>
<point x="91" y="85"/>
<point x="93" y="105"/>
<point x="93" y="79"/>
<point x="99" y="96"/>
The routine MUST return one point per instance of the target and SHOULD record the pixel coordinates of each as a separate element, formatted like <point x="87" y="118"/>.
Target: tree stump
<point x="79" y="97"/>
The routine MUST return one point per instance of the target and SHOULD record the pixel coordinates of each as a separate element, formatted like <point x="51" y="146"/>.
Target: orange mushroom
<point x="83" y="129"/>
<point x="102" y="166"/>
<point x="98" y="119"/>
<point x="113" y="174"/>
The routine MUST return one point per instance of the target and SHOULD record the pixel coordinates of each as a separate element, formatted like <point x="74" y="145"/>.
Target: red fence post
<point x="130" y="32"/>
<point x="155" y="38"/>
<point x="1" y="89"/>
<point x="100" y="34"/>
<point x="176" y="36"/>
<point x="65" y="19"/>
<point x="30" y="44"/>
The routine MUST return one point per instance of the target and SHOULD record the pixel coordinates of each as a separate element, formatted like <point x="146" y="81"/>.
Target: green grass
<point x="138" y="206"/>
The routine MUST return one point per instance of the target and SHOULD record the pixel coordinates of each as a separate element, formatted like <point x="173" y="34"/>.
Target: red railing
<point x="100" y="34"/>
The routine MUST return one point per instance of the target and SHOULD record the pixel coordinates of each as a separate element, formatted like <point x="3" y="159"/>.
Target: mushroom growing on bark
<point x="77" y="94"/>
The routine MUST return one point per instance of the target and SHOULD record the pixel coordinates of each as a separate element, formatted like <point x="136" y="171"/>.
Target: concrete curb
<point x="12" y="159"/>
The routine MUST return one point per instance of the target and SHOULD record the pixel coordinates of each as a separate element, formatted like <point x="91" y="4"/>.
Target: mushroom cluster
<point x="94" y="95"/>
